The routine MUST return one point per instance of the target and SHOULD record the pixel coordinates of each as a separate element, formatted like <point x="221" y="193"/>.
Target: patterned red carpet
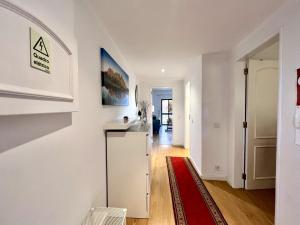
<point x="192" y="202"/>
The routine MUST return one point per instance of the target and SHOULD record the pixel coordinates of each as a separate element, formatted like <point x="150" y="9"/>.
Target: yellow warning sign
<point x="40" y="52"/>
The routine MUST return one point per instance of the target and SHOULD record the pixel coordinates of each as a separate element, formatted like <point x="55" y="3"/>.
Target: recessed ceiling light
<point x="163" y="70"/>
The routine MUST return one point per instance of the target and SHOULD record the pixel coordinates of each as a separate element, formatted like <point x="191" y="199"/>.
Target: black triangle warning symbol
<point x="41" y="47"/>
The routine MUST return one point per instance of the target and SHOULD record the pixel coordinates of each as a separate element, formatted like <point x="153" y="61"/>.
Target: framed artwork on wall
<point x="115" y="81"/>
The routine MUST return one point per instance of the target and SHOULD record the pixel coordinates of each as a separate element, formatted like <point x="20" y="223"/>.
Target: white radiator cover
<point x="105" y="216"/>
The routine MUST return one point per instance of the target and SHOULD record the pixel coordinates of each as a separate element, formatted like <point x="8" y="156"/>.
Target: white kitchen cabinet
<point x="128" y="170"/>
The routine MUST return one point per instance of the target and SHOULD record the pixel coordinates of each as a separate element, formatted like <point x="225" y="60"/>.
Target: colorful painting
<point x="115" y="81"/>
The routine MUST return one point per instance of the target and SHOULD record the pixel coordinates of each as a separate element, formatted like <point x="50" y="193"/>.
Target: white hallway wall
<point x="235" y="121"/>
<point x="194" y="75"/>
<point x="52" y="166"/>
<point x="208" y="76"/>
<point x="145" y="87"/>
<point x="285" y="20"/>
<point x="215" y="112"/>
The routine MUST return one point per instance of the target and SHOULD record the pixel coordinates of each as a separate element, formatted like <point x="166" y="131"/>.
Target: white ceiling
<point x="156" y="34"/>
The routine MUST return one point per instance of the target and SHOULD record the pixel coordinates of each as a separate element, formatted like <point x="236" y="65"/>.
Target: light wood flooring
<point x="238" y="206"/>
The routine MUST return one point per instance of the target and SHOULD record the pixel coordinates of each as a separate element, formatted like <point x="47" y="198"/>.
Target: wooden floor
<point x="239" y="207"/>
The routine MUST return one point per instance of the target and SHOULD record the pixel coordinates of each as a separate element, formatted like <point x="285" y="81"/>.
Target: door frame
<point x="244" y="58"/>
<point x="187" y="115"/>
<point x="245" y="123"/>
<point x="149" y="94"/>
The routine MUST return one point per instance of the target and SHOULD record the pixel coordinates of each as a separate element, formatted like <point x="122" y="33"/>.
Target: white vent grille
<point x="106" y="216"/>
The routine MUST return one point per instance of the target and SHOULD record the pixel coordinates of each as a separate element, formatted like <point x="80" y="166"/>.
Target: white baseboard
<point x="207" y="177"/>
<point x="235" y="186"/>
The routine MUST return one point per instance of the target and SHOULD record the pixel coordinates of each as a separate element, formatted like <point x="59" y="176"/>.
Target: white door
<point x="187" y="107"/>
<point x="262" y="124"/>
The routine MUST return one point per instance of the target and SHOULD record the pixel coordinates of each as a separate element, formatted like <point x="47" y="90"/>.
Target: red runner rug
<point x="192" y="203"/>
